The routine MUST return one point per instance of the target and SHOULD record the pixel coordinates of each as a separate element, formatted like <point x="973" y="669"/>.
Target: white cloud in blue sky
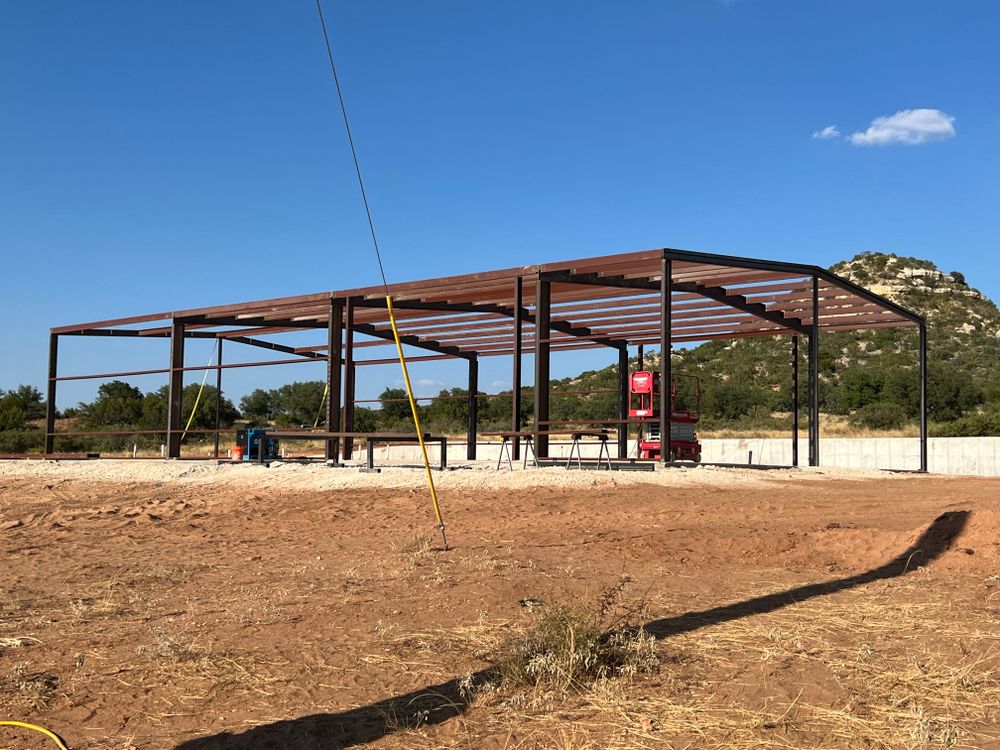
<point x="830" y="131"/>
<point x="908" y="126"/>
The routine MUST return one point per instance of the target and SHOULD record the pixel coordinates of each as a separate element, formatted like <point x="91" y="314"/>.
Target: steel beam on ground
<point x="175" y="390"/>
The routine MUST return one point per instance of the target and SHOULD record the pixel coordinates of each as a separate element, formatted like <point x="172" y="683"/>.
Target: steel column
<point x="640" y="358"/>
<point x="923" y="395"/>
<point x="218" y="396"/>
<point x="623" y="402"/>
<point x="515" y="392"/>
<point x="814" y="379"/>
<point x="335" y="332"/>
<point x="175" y="397"/>
<point x="795" y="400"/>
<point x="470" y="453"/>
<point x="666" y="355"/>
<point x="50" y="393"/>
<point x="350" y="378"/>
<point x="543" y="298"/>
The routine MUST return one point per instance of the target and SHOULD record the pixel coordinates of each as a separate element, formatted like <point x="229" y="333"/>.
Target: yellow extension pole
<point x="416" y="420"/>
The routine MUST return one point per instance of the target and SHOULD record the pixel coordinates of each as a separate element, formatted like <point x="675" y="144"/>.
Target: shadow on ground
<point x="438" y="703"/>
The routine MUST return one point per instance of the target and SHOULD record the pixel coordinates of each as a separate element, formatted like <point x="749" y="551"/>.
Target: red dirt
<point x="792" y="613"/>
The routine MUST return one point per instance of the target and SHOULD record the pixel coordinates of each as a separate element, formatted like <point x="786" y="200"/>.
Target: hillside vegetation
<point x="868" y="378"/>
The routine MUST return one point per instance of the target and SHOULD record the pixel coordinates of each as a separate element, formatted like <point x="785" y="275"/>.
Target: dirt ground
<point x="194" y="607"/>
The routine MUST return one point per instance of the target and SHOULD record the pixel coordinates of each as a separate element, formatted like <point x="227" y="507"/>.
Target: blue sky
<point x="162" y="155"/>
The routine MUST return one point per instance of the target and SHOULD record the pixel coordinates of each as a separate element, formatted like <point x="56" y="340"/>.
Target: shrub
<point x="570" y="648"/>
<point x="22" y="441"/>
<point x="985" y="424"/>
<point x="880" y="416"/>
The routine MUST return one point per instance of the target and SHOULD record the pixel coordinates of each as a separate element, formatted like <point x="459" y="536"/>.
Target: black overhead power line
<point x="350" y="140"/>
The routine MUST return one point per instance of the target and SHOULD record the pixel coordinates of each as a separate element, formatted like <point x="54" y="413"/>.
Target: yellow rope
<point x="322" y="401"/>
<point x="35" y="728"/>
<point x="416" y="421"/>
<point x="200" y="391"/>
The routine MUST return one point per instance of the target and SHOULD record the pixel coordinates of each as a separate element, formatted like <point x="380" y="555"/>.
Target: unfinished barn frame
<point x="659" y="297"/>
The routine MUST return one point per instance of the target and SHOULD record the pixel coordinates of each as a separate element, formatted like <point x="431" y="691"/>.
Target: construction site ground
<point x="185" y="605"/>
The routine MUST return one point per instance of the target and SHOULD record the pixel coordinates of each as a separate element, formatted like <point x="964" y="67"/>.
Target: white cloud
<point x="429" y="383"/>
<point x="830" y="131"/>
<point x="909" y="126"/>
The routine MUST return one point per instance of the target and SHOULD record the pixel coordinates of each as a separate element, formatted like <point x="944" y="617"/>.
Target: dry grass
<point x="854" y="670"/>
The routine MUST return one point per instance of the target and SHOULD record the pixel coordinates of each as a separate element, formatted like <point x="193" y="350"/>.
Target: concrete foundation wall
<point x="979" y="456"/>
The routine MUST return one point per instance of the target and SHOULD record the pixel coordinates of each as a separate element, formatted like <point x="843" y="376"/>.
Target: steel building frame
<point x="662" y="296"/>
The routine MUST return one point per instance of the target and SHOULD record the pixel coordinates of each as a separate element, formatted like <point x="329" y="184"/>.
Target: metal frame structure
<point x="662" y="296"/>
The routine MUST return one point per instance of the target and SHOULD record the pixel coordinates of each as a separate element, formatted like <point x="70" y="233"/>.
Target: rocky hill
<point x="868" y="376"/>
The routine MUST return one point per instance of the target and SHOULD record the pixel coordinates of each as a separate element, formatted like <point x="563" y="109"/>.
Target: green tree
<point x="117" y="404"/>
<point x="395" y="407"/>
<point x="298" y="403"/>
<point x="12" y="412"/>
<point x="257" y="406"/>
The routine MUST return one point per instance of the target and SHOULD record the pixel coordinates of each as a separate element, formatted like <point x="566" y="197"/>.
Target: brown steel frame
<point x="661" y="296"/>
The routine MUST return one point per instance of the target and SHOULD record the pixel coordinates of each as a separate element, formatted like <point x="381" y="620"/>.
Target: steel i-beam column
<point x="50" y="393"/>
<point x="543" y="291"/>
<point x="515" y="393"/>
<point x="923" y="395"/>
<point x="335" y="333"/>
<point x="640" y="357"/>
<point x="666" y="355"/>
<point x="795" y="400"/>
<point x="218" y="395"/>
<point x="623" y="402"/>
<point x="814" y="378"/>
<point x="175" y="391"/>
<point x="350" y="378"/>
<point x="470" y="452"/>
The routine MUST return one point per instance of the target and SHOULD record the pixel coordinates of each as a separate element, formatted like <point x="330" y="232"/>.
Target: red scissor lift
<point x="685" y="397"/>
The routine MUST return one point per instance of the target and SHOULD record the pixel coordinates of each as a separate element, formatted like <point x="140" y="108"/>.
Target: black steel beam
<point x="922" y="344"/>
<point x="593" y="279"/>
<point x="473" y="409"/>
<point x="260" y="343"/>
<point x="795" y="400"/>
<point x="814" y="380"/>
<point x="218" y="395"/>
<point x="335" y="334"/>
<point x="515" y="393"/>
<point x="560" y="326"/>
<point x="175" y="391"/>
<point x="254" y="322"/>
<point x="135" y="332"/>
<point x="666" y="357"/>
<point x="543" y="299"/>
<point x="350" y="378"/>
<point x="792" y="269"/>
<point x="718" y="294"/>
<point x="50" y="393"/>
<point x="429" y="344"/>
<point x="623" y="402"/>
<point x="741" y="303"/>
